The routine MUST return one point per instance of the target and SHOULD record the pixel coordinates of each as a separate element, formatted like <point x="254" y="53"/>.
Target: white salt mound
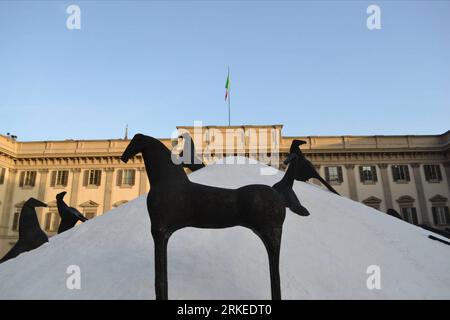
<point x="323" y="256"/>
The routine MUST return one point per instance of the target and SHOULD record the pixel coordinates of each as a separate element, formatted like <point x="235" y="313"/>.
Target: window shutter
<point x="426" y="170"/>
<point x="435" y="218"/>
<point x="438" y="172"/>
<point x="414" y="215"/>
<point x="85" y="178"/>
<point x="394" y="173"/>
<point x="339" y="169"/>
<point x="119" y="178"/>
<point x="447" y="215"/>
<point x="99" y="180"/>
<point x="374" y="173"/>
<point x="33" y="178"/>
<point x="327" y="174"/>
<point x="361" y="174"/>
<point x="22" y="177"/>
<point x="133" y="172"/>
<point x="53" y="179"/>
<point x="407" y="173"/>
<point x="65" y="178"/>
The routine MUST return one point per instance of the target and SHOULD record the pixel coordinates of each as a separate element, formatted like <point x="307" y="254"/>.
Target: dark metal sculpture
<point x="69" y="215"/>
<point x="284" y="187"/>
<point x="31" y="235"/>
<point x="188" y="156"/>
<point x="394" y="213"/>
<point x="174" y="202"/>
<point x="305" y="169"/>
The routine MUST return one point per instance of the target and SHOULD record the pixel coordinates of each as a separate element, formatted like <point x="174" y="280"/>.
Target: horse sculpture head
<point x="61" y="195"/>
<point x="134" y="147"/>
<point x="295" y="146"/>
<point x="33" y="203"/>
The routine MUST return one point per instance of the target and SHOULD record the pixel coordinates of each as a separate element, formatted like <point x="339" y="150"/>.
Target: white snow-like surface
<point x="323" y="256"/>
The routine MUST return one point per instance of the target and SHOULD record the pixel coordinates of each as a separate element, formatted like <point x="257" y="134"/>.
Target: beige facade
<point x="410" y="174"/>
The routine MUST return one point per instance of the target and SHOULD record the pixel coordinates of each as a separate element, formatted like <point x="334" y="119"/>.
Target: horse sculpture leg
<point x="272" y="241"/>
<point x="160" y="239"/>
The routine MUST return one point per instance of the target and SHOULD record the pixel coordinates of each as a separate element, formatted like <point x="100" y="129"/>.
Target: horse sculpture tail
<point x="284" y="187"/>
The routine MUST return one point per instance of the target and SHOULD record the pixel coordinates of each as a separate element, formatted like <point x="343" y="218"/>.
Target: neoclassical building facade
<point x="410" y="173"/>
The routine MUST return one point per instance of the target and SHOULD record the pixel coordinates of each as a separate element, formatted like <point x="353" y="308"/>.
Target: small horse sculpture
<point x="31" y="235"/>
<point x="69" y="215"/>
<point x="284" y="187"/>
<point x="305" y="169"/>
<point x="174" y="202"/>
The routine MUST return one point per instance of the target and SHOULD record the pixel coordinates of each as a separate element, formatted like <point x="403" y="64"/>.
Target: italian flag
<point x="227" y="86"/>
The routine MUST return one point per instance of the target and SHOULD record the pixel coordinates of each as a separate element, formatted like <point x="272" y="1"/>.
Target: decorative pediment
<point x="438" y="199"/>
<point x="119" y="203"/>
<point x="89" y="204"/>
<point x="372" y="200"/>
<point x="405" y="199"/>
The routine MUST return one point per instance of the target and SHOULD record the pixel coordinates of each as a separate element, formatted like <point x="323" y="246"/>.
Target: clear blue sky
<point x="312" y="66"/>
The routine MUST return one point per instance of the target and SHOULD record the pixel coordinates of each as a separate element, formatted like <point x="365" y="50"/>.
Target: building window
<point x="368" y="174"/>
<point x="27" y="179"/>
<point x="92" y="178"/>
<point x="407" y="209"/>
<point x="333" y="174"/>
<point x="126" y="177"/>
<point x="432" y="172"/>
<point x="409" y="214"/>
<point x="2" y="175"/>
<point x="52" y="221"/>
<point x="400" y="173"/>
<point x="15" y="225"/>
<point x="441" y="215"/>
<point x="59" y="178"/>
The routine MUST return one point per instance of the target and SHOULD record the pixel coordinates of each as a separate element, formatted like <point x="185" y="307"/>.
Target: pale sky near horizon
<point x="312" y="66"/>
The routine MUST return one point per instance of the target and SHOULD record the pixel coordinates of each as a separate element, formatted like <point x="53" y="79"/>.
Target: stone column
<point x="142" y="181"/>
<point x="108" y="189"/>
<point x="386" y="185"/>
<point x="420" y="194"/>
<point x="7" y="207"/>
<point x="43" y="173"/>
<point x="352" y="181"/>
<point x="75" y="186"/>
<point x="447" y="172"/>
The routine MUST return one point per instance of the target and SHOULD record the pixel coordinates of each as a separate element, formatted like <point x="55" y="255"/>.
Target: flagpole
<point x="229" y="101"/>
<point x="229" y="108"/>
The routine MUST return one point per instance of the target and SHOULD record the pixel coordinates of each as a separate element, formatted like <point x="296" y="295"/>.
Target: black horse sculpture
<point x="284" y="187"/>
<point x="305" y="169"/>
<point x="394" y="213"/>
<point x="69" y="215"/>
<point x="188" y="155"/>
<point x="174" y="202"/>
<point x="31" y="235"/>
